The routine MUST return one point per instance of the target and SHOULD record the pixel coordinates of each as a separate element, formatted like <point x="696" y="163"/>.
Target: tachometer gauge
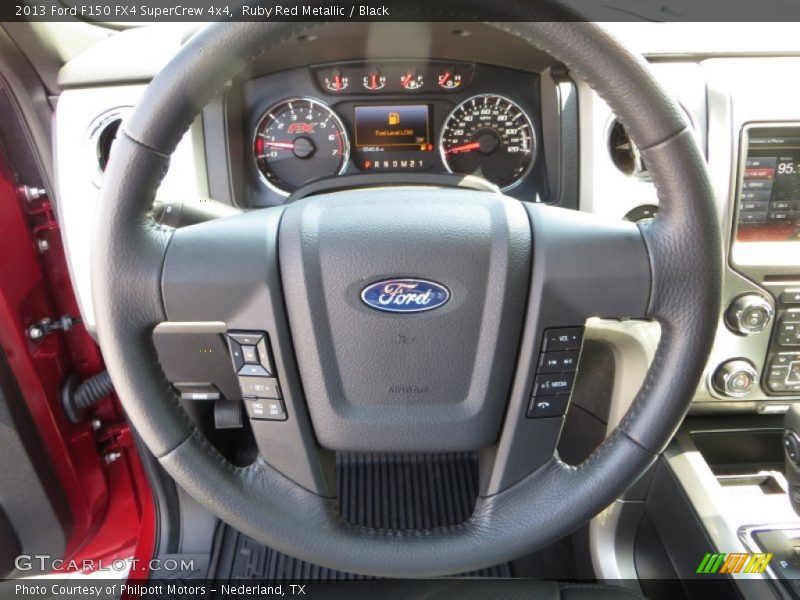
<point x="298" y="141"/>
<point x="491" y="137"/>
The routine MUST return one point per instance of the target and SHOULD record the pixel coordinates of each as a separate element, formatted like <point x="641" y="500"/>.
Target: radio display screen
<point x="769" y="198"/>
<point x="393" y="128"/>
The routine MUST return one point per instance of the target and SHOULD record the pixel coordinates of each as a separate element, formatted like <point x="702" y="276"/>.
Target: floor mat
<point x="389" y="491"/>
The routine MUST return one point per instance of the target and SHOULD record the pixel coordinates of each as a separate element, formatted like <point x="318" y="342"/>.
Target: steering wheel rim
<point x="682" y="247"/>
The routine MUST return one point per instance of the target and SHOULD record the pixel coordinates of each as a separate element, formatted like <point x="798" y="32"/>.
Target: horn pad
<point x="406" y="308"/>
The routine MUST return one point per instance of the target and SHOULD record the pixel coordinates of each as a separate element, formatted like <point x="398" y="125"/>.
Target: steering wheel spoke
<point x="585" y="266"/>
<point x="582" y="267"/>
<point x="222" y="276"/>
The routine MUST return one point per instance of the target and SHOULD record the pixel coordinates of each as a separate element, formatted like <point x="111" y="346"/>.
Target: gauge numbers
<point x="298" y="141"/>
<point x="489" y="136"/>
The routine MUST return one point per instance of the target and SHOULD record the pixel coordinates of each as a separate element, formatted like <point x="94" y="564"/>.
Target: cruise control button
<point x="266" y="409"/>
<point x="547" y="385"/>
<point x="556" y="362"/>
<point x="260" y="387"/>
<point x="548" y="406"/>
<point x="568" y="338"/>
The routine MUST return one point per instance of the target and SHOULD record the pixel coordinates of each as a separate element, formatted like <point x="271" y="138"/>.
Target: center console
<point x="762" y="318"/>
<point x="769" y="222"/>
<point x="734" y="479"/>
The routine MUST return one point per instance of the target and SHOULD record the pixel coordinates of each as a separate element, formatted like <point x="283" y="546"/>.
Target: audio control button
<point x="776" y="386"/>
<point x="778" y="374"/>
<point x="791" y="296"/>
<point x="784" y="359"/>
<point x="789" y="339"/>
<point x="566" y="338"/>
<point x="558" y="362"/>
<point x="793" y="376"/>
<point x="749" y="314"/>
<point x="547" y="385"/>
<point x="788" y="328"/>
<point x="734" y="378"/>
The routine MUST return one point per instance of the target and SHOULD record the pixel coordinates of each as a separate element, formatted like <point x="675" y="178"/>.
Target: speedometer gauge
<point x="491" y="137"/>
<point x="298" y="141"/>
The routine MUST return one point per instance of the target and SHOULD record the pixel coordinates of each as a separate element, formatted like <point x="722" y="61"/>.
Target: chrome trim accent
<point x="266" y="113"/>
<point x="534" y="139"/>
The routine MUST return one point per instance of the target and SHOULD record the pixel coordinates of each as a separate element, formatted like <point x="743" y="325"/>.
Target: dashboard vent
<point x="624" y="153"/>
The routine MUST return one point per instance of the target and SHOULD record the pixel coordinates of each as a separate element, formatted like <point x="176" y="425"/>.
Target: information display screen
<point x="393" y="128"/>
<point x="769" y="199"/>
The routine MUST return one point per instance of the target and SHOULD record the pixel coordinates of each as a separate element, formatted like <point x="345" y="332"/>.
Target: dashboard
<point x="306" y="125"/>
<point x="440" y="104"/>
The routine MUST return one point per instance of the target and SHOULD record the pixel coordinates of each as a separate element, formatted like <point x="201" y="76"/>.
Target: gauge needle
<point x="406" y="80"/>
<point x="338" y="81"/>
<point x="287" y="145"/>
<point x="443" y="78"/>
<point x="463" y="148"/>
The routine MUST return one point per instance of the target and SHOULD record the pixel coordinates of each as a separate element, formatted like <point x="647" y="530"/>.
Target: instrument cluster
<point x="435" y="117"/>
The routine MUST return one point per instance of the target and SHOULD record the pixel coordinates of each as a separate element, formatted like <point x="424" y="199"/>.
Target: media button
<point x="548" y="385"/>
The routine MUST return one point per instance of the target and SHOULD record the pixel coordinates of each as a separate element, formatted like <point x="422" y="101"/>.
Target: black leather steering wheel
<point x="513" y="270"/>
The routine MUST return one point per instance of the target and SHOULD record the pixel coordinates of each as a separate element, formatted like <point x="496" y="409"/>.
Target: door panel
<point x="72" y="491"/>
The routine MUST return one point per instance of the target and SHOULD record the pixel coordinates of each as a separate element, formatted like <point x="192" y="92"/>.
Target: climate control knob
<point x="735" y="378"/>
<point x="748" y="314"/>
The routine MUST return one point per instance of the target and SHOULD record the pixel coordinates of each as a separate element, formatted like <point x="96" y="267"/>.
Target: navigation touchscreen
<point x="769" y="199"/>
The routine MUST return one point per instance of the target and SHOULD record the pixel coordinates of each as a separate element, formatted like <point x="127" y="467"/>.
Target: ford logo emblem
<point x="405" y="295"/>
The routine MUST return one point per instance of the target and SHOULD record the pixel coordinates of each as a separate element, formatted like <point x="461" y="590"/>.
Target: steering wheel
<point x="454" y="379"/>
